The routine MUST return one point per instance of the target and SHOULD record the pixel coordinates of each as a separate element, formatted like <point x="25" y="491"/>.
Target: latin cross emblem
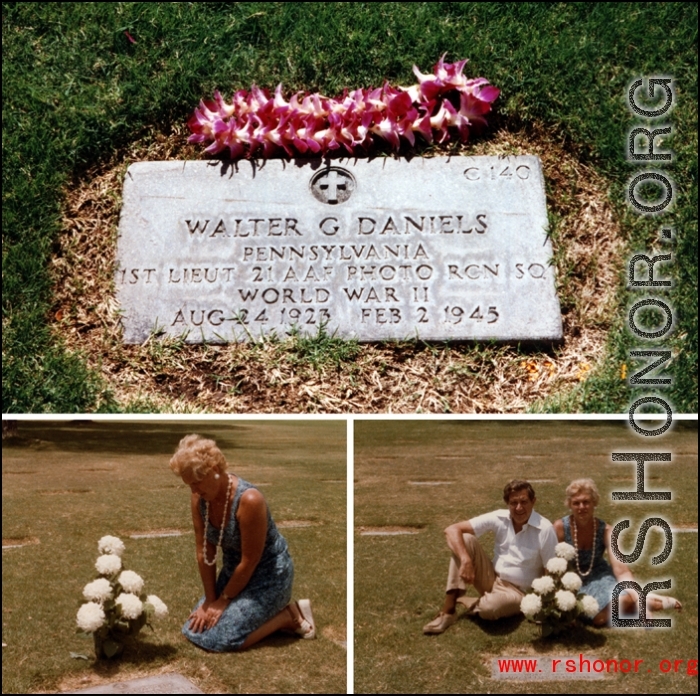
<point x="332" y="185"/>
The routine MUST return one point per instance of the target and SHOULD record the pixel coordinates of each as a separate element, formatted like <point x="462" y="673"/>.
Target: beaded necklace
<point x="223" y="524"/>
<point x="578" y="567"/>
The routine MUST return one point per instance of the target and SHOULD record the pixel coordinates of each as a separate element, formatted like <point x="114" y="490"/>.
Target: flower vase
<point x="106" y="648"/>
<point x="540" y="625"/>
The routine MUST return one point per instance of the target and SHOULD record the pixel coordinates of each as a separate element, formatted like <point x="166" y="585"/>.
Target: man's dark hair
<point x="517" y="485"/>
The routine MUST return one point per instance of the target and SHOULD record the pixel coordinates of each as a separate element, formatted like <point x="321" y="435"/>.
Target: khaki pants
<point x="498" y="598"/>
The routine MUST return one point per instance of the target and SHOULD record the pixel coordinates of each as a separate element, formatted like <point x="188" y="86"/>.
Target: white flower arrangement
<point x="543" y="585"/>
<point x="530" y="605"/>
<point x="111" y="544"/>
<point x="555" y="602"/>
<point x="130" y="581"/>
<point x="565" y="551"/>
<point x="98" y="590"/>
<point x="159" y="608"/>
<point x="110" y="620"/>
<point x="589" y="606"/>
<point x="131" y="606"/>
<point x="108" y="564"/>
<point x="571" y="581"/>
<point x="565" y="600"/>
<point x="557" y="566"/>
<point x="91" y="617"/>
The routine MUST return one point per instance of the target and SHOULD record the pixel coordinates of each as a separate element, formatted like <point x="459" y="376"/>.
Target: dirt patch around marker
<point x="18" y="542"/>
<point x="66" y="491"/>
<point x="275" y="375"/>
<point x="431" y="483"/>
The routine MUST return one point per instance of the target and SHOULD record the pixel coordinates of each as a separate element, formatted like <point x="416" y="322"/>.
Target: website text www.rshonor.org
<point x="590" y="665"/>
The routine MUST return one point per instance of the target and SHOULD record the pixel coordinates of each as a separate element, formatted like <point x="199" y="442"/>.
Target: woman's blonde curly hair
<point x="197" y="455"/>
<point x="582" y="485"/>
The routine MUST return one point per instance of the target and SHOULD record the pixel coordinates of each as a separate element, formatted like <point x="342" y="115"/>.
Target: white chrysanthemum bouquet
<point x="555" y="602"/>
<point x="116" y="605"/>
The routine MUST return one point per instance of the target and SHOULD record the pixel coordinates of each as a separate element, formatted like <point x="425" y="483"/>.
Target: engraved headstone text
<point x="431" y="248"/>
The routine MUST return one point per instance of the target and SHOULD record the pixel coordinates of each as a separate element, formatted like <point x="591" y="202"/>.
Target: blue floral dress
<point x="601" y="581"/>
<point x="266" y="594"/>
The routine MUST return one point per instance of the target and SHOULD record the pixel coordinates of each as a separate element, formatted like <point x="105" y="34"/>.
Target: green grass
<point x="323" y="348"/>
<point x="66" y="485"/>
<point x="400" y="580"/>
<point x="76" y="90"/>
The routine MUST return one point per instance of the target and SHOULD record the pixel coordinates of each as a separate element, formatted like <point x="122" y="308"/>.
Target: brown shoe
<point x="439" y="624"/>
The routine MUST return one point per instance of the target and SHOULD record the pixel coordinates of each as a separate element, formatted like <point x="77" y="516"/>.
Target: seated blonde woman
<point x="591" y="539"/>
<point x="250" y="599"/>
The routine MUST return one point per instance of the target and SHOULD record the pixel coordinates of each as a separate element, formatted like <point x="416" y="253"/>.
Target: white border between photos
<point x="350" y="585"/>
<point x="350" y="417"/>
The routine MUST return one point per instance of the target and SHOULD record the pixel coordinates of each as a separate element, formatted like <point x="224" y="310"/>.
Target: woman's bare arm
<point x="559" y="529"/>
<point x="252" y="523"/>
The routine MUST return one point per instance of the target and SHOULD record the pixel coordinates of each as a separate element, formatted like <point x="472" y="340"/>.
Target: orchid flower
<point x="312" y="123"/>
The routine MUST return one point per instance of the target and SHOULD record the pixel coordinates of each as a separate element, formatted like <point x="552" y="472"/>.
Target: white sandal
<point x="307" y="625"/>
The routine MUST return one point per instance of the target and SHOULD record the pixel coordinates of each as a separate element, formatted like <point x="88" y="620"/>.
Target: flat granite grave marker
<point x="442" y="248"/>
<point x="550" y="668"/>
<point x="162" y="684"/>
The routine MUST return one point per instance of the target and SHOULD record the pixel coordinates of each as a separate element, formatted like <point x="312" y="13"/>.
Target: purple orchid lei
<point x="441" y="107"/>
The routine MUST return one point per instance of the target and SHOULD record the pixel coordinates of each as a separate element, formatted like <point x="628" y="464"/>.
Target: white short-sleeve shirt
<point x="518" y="558"/>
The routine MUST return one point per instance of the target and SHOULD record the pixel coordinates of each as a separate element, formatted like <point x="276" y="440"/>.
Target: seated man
<point x="525" y="541"/>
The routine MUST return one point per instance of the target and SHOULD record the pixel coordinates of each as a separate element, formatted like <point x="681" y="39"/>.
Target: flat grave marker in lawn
<point x="388" y="531"/>
<point x="549" y="668"/>
<point x="162" y="684"/>
<point x="295" y="524"/>
<point x="442" y="248"/>
<point x="156" y="535"/>
<point x="18" y="543"/>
